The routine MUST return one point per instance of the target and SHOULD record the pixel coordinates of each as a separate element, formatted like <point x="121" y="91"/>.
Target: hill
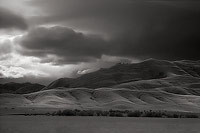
<point x="20" y="88"/>
<point x="148" y="85"/>
<point x="162" y="98"/>
<point x="122" y="73"/>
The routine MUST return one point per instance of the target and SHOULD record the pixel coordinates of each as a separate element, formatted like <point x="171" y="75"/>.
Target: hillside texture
<point x="148" y="85"/>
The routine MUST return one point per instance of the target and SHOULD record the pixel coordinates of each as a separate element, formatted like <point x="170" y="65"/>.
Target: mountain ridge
<point x="20" y="88"/>
<point x="148" y="85"/>
<point x="121" y="73"/>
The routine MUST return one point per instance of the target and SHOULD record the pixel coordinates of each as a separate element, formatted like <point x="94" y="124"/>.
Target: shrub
<point x="191" y="116"/>
<point x="68" y="113"/>
<point x="134" y="114"/>
<point x="86" y="113"/>
<point x="118" y="113"/>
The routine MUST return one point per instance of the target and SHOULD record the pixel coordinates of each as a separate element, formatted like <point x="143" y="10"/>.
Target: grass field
<point x="60" y="124"/>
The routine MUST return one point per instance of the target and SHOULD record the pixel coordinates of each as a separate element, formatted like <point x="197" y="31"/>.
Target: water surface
<point x="63" y="124"/>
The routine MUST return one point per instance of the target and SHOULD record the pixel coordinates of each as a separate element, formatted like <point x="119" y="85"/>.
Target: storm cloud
<point x="9" y="20"/>
<point x="174" y="39"/>
<point x="141" y="29"/>
<point x="90" y="34"/>
<point x="61" y="44"/>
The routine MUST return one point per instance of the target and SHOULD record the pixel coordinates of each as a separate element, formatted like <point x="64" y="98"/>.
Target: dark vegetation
<point x="20" y="88"/>
<point x="118" y="113"/>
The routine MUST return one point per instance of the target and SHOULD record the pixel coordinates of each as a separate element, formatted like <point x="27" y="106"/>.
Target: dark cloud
<point x="173" y="39"/>
<point x="98" y="33"/>
<point x="61" y="44"/>
<point x="109" y="16"/>
<point x="10" y="20"/>
<point x="141" y="29"/>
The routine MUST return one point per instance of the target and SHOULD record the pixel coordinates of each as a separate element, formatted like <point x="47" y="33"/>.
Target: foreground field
<point x="56" y="124"/>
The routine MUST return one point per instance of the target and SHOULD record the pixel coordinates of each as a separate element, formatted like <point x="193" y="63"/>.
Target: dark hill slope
<point x="123" y="73"/>
<point x="20" y="88"/>
<point x="191" y="67"/>
<point x="62" y="82"/>
<point x="183" y="85"/>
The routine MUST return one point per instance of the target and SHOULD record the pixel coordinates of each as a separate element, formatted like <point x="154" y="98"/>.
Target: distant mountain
<point x="62" y="82"/>
<point x="122" y="73"/>
<point x="20" y="88"/>
<point x="148" y="85"/>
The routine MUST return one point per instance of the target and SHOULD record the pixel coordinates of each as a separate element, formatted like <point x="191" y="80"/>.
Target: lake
<point x="64" y="124"/>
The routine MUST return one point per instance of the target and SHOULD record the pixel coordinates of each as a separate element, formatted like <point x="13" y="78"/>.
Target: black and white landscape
<point x="100" y="58"/>
<point x="148" y="85"/>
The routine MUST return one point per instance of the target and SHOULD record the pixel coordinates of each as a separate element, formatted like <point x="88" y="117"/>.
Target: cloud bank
<point x="9" y="20"/>
<point x="78" y="36"/>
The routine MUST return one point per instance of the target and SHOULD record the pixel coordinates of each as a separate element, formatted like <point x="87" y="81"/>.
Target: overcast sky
<point x="42" y="40"/>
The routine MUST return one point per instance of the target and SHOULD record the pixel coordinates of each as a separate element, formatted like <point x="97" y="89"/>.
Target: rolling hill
<point x="20" y="88"/>
<point x="148" y="85"/>
<point x="123" y="73"/>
